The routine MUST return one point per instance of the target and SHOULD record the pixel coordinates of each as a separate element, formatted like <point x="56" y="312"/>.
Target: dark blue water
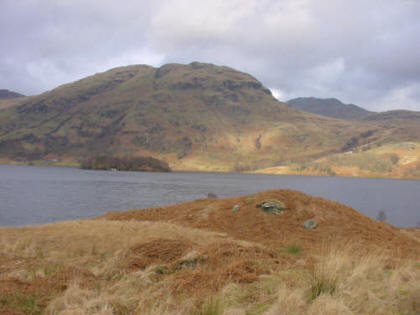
<point x="35" y="194"/>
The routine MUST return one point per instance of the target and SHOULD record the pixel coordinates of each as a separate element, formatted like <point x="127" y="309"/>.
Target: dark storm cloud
<point x="365" y="52"/>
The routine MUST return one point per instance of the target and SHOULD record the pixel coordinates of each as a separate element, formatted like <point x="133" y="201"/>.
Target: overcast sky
<point x="365" y="52"/>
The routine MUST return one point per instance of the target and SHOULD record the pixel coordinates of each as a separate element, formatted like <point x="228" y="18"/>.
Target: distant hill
<point x="330" y="107"/>
<point x="9" y="98"/>
<point x="9" y="94"/>
<point x="394" y="115"/>
<point x="197" y="116"/>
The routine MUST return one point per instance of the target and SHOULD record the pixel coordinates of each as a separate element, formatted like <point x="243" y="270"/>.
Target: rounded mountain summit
<point x="197" y="116"/>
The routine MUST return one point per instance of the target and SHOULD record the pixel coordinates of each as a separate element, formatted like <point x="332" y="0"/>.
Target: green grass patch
<point x="163" y="270"/>
<point x="22" y="303"/>
<point x="293" y="249"/>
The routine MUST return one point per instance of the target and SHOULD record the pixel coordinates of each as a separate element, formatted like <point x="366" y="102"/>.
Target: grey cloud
<point x="364" y="52"/>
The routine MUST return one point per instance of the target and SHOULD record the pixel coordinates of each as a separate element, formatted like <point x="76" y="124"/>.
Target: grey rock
<point x="310" y="224"/>
<point x="272" y="206"/>
<point x="235" y="208"/>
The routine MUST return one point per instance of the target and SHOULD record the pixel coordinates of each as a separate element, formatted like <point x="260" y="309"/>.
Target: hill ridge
<point x="330" y="107"/>
<point x="6" y="94"/>
<point x="198" y="116"/>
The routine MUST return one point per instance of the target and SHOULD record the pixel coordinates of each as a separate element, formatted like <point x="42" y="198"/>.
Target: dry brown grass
<point x="390" y="160"/>
<point x="202" y="258"/>
<point x="344" y="281"/>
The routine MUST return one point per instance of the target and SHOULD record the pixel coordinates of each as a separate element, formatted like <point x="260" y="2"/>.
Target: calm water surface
<point x="35" y="194"/>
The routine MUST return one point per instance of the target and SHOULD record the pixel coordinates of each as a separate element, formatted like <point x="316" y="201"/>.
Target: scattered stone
<point x="310" y="224"/>
<point x="272" y="206"/>
<point x="211" y="196"/>
<point x="235" y="208"/>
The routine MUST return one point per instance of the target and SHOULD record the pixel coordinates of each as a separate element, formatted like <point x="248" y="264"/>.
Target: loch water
<point x="37" y="194"/>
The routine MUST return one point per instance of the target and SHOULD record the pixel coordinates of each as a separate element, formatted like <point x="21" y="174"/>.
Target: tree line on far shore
<point x="138" y="163"/>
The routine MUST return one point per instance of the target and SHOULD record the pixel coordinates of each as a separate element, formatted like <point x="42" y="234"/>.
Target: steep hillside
<point x="329" y="107"/>
<point x="196" y="116"/>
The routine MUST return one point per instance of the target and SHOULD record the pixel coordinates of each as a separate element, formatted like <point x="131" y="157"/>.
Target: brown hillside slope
<point x="197" y="117"/>
<point x="390" y="148"/>
<point x="201" y="257"/>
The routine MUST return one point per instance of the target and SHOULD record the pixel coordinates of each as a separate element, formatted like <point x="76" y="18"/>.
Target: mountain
<point x="330" y="107"/>
<point x="394" y="115"/>
<point x="9" y="94"/>
<point x="194" y="117"/>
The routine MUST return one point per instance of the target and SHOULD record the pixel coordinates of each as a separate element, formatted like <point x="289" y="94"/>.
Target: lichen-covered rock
<point x="272" y="206"/>
<point x="310" y="224"/>
<point x="235" y="208"/>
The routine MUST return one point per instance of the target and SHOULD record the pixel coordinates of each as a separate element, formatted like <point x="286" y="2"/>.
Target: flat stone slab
<point x="272" y="206"/>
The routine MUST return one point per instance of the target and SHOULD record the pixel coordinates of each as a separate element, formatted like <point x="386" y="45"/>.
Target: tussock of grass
<point x="345" y="282"/>
<point x="342" y="281"/>
<point x="213" y="306"/>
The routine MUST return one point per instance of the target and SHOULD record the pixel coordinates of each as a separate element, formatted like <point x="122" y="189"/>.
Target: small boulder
<point x="235" y="208"/>
<point x="272" y="206"/>
<point x="211" y="195"/>
<point x="310" y="224"/>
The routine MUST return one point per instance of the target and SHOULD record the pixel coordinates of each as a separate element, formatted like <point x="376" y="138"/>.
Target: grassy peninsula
<point x="214" y="256"/>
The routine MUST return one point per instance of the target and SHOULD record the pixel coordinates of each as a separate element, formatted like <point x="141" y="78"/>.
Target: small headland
<point x="274" y="252"/>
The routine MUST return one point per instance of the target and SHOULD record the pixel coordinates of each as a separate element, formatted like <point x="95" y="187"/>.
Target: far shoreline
<point x="72" y="164"/>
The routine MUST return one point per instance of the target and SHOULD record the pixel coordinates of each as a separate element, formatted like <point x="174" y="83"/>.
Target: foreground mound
<point x="256" y="254"/>
<point x="334" y="221"/>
